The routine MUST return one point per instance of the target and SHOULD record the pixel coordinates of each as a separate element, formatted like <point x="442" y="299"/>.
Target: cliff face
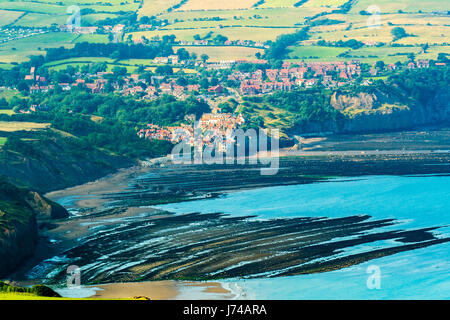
<point x="19" y="209"/>
<point x="17" y="241"/>
<point x="378" y="111"/>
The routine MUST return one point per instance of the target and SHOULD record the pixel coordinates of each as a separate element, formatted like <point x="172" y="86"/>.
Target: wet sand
<point x="158" y="290"/>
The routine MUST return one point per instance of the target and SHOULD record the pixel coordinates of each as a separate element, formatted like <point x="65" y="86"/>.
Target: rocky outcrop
<point x="45" y="208"/>
<point x="19" y="210"/>
<point x="361" y="101"/>
<point x="377" y="111"/>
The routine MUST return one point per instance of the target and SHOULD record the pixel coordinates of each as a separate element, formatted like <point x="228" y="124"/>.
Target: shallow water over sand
<point x="417" y="201"/>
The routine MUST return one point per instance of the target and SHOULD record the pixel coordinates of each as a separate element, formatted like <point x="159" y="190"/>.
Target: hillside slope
<point x="28" y="157"/>
<point x="19" y="209"/>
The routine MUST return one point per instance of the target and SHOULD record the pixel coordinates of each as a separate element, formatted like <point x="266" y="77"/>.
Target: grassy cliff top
<point x="13" y="207"/>
<point x="37" y="292"/>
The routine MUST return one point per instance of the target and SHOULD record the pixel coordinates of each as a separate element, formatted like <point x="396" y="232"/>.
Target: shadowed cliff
<point x="19" y="210"/>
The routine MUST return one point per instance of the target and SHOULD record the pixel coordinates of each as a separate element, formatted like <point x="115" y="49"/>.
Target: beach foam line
<point x="77" y="292"/>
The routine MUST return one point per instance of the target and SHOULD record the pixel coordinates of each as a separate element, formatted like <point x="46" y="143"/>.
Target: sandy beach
<point x="158" y="290"/>
<point x="112" y="183"/>
<point x="153" y="290"/>
<point x="161" y="290"/>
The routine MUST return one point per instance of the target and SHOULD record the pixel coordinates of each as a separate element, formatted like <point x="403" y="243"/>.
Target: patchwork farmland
<point x="425" y="23"/>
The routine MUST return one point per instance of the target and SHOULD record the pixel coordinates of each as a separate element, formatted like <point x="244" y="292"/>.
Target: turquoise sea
<point x="414" y="201"/>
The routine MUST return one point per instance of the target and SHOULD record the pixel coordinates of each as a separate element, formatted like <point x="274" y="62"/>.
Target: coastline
<point x="94" y="198"/>
<point x="113" y="182"/>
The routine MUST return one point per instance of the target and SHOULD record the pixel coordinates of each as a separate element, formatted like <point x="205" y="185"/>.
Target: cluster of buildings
<point x="241" y="43"/>
<point x="38" y="83"/>
<point x="91" y="29"/>
<point x="217" y="130"/>
<point x="210" y="129"/>
<point x="10" y="34"/>
<point x="131" y="85"/>
<point x="260" y="81"/>
<point x="172" y="59"/>
<point x="171" y="88"/>
<point x="228" y="64"/>
<point x="308" y="74"/>
<point x="421" y="63"/>
<point x="173" y="134"/>
<point x="331" y="74"/>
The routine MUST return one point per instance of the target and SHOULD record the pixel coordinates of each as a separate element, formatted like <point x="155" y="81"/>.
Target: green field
<point x="97" y="38"/>
<point x="137" y="62"/>
<point x="8" y="112"/>
<point x="78" y="60"/>
<point x="278" y="3"/>
<point x="148" y="63"/>
<point x="6" y="66"/>
<point x="155" y="7"/>
<point x="11" y="126"/>
<point x="233" y="33"/>
<point x="130" y="64"/>
<point x="271" y="17"/>
<point x="19" y="50"/>
<point x="110" y="67"/>
<point x="315" y="53"/>
<point x="60" y="6"/>
<point x="9" y="93"/>
<point x="2" y="141"/>
<point x="216" y="5"/>
<point x="404" y="5"/>
<point x="220" y="53"/>
<point x="423" y="28"/>
<point x="387" y="54"/>
<point x="24" y="296"/>
<point x="45" y="13"/>
<point x="237" y="20"/>
<point x="36" y="19"/>
<point x="7" y="17"/>
<point x="36" y="7"/>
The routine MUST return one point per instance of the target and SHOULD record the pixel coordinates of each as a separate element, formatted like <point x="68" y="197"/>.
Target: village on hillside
<point x="230" y="83"/>
<point x="261" y="81"/>
<point x="214" y="129"/>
